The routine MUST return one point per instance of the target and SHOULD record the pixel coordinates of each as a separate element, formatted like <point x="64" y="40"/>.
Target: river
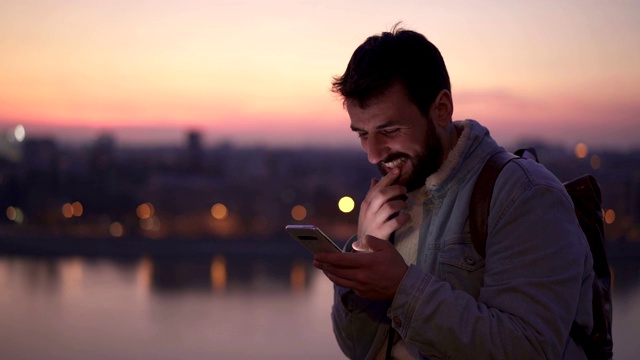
<point x="213" y="308"/>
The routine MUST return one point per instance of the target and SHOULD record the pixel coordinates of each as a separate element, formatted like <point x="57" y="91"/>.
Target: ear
<point x="442" y="109"/>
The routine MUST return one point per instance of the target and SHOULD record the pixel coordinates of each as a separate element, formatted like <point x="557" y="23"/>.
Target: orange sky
<point x="259" y="72"/>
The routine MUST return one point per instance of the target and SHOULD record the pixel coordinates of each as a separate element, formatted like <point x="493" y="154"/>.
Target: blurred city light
<point x="145" y="210"/>
<point x="144" y="276"/>
<point x="298" y="277"/>
<point x="610" y="216"/>
<point x="219" y="273"/>
<point x="11" y="213"/>
<point x="595" y="162"/>
<point x="219" y="211"/>
<point x="77" y="208"/>
<point x="346" y="204"/>
<point x="15" y="214"/>
<point x="72" y="273"/>
<point x="116" y="229"/>
<point x="581" y="150"/>
<point x="298" y="212"/>
<point x="19" y="133"/>
<point x="67" y="211"/>
<point x="150" y="224"/>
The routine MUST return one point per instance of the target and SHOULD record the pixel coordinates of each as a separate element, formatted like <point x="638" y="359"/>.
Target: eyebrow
<point x="381" y="126"/>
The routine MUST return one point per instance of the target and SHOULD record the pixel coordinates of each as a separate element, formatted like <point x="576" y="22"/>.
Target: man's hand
<point x="373" y="275"/>
<point x="382" y="201"/>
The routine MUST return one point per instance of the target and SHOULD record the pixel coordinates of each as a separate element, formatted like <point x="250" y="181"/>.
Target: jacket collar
<point x="469" y="153"/>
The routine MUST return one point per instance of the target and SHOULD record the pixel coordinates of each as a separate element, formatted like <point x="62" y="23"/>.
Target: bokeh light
<point x="582" y="150"/>
<point x="346" y="204"/>
<point x="145" y="211"/>
<point x="19" y="133"/>
<point x="78" y="209"/>
<point x="298" y="212"/>
<point x="116" y="229"/>
<point x="67" y="211"/>
<point x="150" y="224"/>
<point x="15" y="214"/>
<point x="219" y="211"/>
<point x="610" y="216"/>
<point x="11" y="213"/>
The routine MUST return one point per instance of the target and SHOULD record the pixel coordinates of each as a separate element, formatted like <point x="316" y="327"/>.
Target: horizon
<point x="178" y="138"/>
<point x="252" y="73"/>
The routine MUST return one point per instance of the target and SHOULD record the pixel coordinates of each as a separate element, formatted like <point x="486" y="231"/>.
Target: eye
<point x="361" y="134"/>
<point x="389" y="131"/>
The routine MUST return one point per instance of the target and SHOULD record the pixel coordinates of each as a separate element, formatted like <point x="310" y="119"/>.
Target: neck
<point x="450" y="139"/>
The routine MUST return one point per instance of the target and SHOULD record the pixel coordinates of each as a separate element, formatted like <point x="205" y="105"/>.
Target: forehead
<point x="393" y="106"/>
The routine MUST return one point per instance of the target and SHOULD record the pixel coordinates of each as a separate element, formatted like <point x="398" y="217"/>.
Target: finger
<point x="360" y="275"/>
<point x="340" y="261"/>
<point x="345" y="283"/>
<point x="389" y="178"/>
<point x="360" y="245"/>
<point x="376" y="244"/>
<point x="388" y="209"/>
<point x="374" y="181"/>
<point x="395" y="223"/>
<point x="393" y="191"/>
<point x="377" y="200"/>
<point x="384" y="230"/>
<point x="372" y="243"/>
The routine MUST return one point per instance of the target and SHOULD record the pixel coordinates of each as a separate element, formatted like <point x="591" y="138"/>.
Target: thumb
<point x="376" y="244"/>
<point x="363" y="244"/>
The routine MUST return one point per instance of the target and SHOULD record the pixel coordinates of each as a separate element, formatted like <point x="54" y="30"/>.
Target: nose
<point x="376" y="148"/>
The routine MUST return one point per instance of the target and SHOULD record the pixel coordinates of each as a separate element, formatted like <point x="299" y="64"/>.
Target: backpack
<point x="586" y="196"/>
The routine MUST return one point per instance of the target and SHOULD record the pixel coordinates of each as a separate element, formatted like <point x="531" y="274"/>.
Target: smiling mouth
<point x="395" y="163"/>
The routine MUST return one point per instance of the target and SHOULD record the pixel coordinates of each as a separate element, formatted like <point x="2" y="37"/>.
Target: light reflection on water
<point x="75" y="308"/>
<point x="163" y="309"/>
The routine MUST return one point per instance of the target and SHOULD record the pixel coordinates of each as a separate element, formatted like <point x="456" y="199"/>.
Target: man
<point x="411" y="277"/>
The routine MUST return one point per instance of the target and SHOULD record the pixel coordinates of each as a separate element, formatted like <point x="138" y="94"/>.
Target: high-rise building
<point x="194" y="151"/>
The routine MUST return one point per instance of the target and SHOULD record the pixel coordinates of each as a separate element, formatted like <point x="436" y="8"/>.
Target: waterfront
<point x="196" y="308"/>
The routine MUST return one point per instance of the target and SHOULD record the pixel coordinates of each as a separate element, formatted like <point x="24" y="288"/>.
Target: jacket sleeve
<point x="536" y="264"/>
<point x="358" y="323"/>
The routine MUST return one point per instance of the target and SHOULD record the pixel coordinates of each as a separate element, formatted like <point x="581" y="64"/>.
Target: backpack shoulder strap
<point x="481" y="199"/>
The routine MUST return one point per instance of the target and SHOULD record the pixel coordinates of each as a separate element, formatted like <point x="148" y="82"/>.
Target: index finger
<point x="388" y="178"/>
<point x="342" y="260"/>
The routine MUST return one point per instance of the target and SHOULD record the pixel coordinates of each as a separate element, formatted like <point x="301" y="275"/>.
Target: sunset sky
<point x="259" y="72"/>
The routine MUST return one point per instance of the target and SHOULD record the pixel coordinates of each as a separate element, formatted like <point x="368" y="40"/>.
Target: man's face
<point x="394" y="133"/>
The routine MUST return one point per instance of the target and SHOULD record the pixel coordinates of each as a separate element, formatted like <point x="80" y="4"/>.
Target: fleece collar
<point x="434" y="180"/>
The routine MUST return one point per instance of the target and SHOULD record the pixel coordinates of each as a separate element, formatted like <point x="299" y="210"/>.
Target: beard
<point x="424" y="164"/>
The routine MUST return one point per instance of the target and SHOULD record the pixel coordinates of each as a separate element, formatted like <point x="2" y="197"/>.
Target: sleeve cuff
<point x="410" y="291"/>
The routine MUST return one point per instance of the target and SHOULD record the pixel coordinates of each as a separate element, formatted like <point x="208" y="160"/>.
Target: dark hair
<point x="399" y="56"/>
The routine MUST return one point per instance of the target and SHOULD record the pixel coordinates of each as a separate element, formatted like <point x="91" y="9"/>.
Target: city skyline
<point x="250" y="72"/>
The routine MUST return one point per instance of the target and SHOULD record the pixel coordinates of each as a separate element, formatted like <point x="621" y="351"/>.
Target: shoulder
<point x="521" y="176"/>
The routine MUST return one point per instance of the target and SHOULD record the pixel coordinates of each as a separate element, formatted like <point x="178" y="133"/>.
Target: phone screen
<point x="311" y="237"/>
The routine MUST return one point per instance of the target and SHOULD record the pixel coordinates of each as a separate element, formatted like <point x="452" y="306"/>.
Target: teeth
<point x="395" y="163"/>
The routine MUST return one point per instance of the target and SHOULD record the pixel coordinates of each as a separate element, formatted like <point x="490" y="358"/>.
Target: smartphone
<point x="311" y="237"/>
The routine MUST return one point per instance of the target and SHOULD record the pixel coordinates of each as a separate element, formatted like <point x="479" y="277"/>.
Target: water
<point x="76" y="308"/>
